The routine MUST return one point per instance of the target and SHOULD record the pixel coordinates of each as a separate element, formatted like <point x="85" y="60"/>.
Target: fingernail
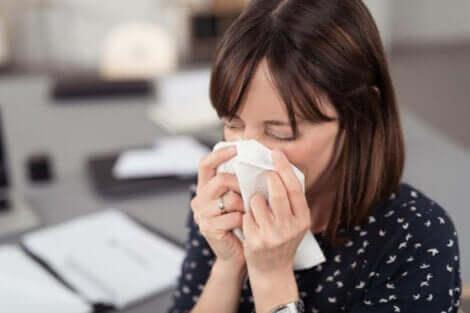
<point x="277" y="155"/>
<point x="232" y="149"/>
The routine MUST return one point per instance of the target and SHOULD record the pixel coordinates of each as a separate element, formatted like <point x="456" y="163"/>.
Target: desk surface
<point x="70" y="132"/>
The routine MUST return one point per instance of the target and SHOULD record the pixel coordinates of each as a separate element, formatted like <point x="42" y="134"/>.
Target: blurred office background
<point x="46" y="42"/>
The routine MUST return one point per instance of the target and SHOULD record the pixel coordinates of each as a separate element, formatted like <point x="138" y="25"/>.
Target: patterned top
<point x="404" y="258"/>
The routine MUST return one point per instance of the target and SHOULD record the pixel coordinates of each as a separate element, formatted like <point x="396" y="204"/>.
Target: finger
<point x="291" y="183"/>
<point x="226" y="222"/>
<point x="232" y="203"/>
<point x="222" y="183"/>
<point x="209" y="164"/>
<point x="278" y="198"/>
<point x="260" y="210"/>
<point x="250" y="228"/>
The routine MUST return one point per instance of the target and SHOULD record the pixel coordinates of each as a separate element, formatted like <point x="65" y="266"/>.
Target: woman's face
<point x="263" y="117"/>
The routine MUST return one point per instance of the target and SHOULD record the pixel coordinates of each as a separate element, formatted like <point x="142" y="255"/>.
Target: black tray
<point x="100" y="171"/>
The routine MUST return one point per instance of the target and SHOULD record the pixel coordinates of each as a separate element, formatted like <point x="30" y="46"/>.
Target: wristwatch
<point x="292" y="307"/>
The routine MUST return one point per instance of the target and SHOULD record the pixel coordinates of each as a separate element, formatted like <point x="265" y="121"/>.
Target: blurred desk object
<point x="169" y="162"/>
<point x="107" y="258"/>
<point x="93" y="87"/>
<point x="15" y="214"/>
<point x="138" y="51"/>
<point x="4" y="47"/>
<point x="101" y="172"/>
<point x="71" y="134"/>
<point x="179" y="111"/>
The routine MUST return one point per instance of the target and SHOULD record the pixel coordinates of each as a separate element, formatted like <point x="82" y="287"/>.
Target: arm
<point x="222" y="291"/>
<point x="271" y="291"/>
<point x="221" y="288"/>
<point x="273" y="232"/>
<point x="205" y="283"/>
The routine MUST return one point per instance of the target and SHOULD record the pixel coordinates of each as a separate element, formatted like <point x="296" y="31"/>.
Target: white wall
<point x="381" y="11"/>
<point x="415" y="22"/>
<point x="431" y="21"/>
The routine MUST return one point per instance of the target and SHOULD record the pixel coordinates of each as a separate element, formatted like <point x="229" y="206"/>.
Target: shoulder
<point x="407" y="228"/>
<point x="411" y="211"/>
<point x="413" y="256"/>
<point x="411" y="230"/>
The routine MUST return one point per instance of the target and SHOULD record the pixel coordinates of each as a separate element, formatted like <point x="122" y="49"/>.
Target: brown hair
<point x="329" y="47"/>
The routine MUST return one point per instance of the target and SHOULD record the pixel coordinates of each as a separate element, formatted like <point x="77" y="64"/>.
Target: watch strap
<point x="291" y="307"/>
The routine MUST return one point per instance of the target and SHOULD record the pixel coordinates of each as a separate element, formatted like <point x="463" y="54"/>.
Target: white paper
<point x="184" y="105"/>
<point x="108" y="257"/>
<point x="178" y="156"/>
<point x="249" y="165"/>
<point x="25" y="287"/>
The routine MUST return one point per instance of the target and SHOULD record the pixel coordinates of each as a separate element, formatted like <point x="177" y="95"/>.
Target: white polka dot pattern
<point x="403" y="258"/>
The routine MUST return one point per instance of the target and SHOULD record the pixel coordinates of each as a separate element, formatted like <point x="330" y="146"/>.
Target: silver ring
<point x="221" y="204"/>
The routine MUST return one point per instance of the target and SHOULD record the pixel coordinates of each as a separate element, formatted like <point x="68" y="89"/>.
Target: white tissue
<point x="249" y="165"/>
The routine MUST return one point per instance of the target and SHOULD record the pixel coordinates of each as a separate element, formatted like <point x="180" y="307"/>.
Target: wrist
<point x="270" y="290"/>
<point x="229" y="269"/>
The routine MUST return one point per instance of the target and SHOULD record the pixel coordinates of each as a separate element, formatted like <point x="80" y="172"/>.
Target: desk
<point x="70" y="133"/>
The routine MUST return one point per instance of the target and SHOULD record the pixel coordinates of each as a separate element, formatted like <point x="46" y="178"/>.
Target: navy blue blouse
<point x="404" y="258"/>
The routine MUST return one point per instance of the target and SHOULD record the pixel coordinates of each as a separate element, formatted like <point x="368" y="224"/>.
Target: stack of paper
<point x="108" y="258"/>
<point x="184" y="105"/>
<point x="26" y="287"/>
<point x="171" y="156"/>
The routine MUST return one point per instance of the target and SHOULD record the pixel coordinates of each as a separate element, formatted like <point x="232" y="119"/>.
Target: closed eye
<point x="271" y="135"/>
<point x="281" y="138"/>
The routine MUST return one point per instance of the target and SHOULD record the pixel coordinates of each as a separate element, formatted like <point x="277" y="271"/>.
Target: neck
<point x="321" y="208"/>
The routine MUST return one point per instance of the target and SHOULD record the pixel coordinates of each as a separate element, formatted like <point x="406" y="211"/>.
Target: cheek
<point x="230" y="135"/>
<point x="311" y="156"/>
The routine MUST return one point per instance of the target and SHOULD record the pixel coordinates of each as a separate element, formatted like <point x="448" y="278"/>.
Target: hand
<point x="273" y="234"/>
<point x="215" y="226"/>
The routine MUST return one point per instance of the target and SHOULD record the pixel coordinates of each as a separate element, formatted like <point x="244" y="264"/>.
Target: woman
<point x="309" y="80"/>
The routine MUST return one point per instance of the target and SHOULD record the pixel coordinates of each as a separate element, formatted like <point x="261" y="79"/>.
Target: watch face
<point x="293" y="307"/>
<point x="284" y="309"/>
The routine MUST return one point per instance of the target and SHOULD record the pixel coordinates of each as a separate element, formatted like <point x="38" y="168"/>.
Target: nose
<point x="257" y="134"/>
<point x="251" y="133"/>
